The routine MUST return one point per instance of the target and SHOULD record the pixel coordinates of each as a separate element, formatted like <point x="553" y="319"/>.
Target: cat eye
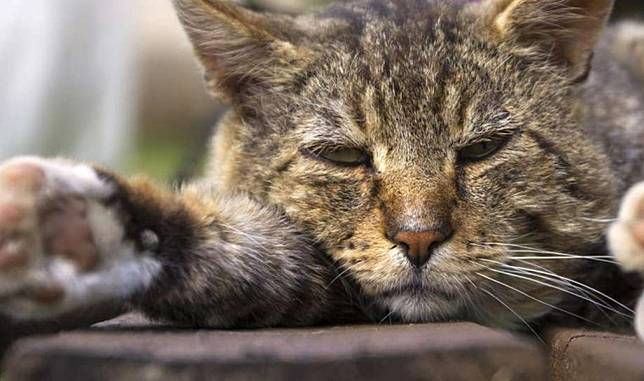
<point x="348" y="157"/>
<point x="481" y="150"/>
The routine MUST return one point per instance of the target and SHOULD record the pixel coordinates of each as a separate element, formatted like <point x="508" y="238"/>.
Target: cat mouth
<point x="421" y="302"/>
<point x="417" y="288"/>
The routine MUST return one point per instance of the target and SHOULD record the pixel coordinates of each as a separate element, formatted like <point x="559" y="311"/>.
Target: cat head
<point x="434" y="148"/>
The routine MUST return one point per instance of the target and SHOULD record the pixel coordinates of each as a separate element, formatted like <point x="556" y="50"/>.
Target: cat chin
<point x="414" y="308"/>
<point x="426" y="308"/>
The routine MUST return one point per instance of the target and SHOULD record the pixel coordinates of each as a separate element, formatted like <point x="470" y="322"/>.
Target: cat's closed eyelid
<point x="483" y="149"/>
<point x="346" y="157"/>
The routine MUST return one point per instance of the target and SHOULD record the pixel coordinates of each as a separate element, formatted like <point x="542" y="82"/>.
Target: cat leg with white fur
<point x="73" y="236"/>
<point x="626" y="241"/>
<point x="62" y="246"/>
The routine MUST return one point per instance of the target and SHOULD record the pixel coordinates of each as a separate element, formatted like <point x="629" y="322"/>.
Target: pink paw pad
<point x="638" y="232"/>
<point x="12" y="213"/>
<point x="13" y="222"/>
<point x="25" y="176"/>
<point x="67" y="234"/>
<point x="638" y="226"/>
<point x="12" y="256"/>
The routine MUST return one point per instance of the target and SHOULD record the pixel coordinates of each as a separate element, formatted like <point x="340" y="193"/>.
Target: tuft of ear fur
<point x="564" y="31"/>
<point x="242" y="51"/>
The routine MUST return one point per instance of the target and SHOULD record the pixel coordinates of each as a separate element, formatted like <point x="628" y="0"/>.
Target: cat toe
<point x="639" y="318"/>
<point x="66" y="233"/>
<point x="62" y="246"/>
<point x="22" y="175"/>
<point x="638" y="232"/>
<point x="13" y="256"/>
<point x="626" y="234"/>
<point x="16" y="240"/>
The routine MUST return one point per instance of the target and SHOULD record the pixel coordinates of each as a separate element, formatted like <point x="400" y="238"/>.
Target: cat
<point x="382" y="161"/>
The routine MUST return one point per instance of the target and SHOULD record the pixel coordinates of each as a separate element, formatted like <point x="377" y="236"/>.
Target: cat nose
<point x="420" y="245"/>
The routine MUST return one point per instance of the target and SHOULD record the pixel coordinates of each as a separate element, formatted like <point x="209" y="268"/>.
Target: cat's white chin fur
<point x="121" y="270"/>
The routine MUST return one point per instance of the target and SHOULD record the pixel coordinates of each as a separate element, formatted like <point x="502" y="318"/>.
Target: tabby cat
<point x="382" y="161"/>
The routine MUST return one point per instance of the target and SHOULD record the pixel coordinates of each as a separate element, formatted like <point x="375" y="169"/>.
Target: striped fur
<point x="274" y="234"/>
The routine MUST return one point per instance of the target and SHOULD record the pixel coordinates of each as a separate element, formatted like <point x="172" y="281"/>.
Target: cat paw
<point x="639" y="318"/>
<point x="61" y="245"/>
<point x="626" y="235"/>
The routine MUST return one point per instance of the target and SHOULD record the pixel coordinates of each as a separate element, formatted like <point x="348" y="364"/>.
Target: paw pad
<point x="25" y="176"/>
<point x="12" y="256"/>
<point x="60" y="246"/>
<point x="638" y="232"/>
<point x="13" y="213"/>
<point x="626" y="235"/>
<point x="66" y="232"/>
<point x="637" y="227"/>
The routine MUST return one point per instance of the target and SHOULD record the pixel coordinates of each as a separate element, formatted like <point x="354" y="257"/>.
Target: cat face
<point x="434" y="151"/>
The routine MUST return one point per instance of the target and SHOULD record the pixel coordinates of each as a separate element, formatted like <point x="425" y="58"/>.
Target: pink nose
<point x="419" y="245"/>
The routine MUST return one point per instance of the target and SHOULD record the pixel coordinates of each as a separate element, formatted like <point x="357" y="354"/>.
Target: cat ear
<point x="565" y="31"/>
<point x="242" y="51"/>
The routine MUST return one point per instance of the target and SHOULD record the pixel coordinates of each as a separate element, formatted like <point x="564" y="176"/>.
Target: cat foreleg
<point x="233" y="262"/>
<point x="73" y="236"/>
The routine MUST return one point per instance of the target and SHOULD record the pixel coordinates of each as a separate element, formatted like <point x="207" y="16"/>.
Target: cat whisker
<point x="538" y="300"/>
<point x="558" y="288"/>
<point x="598" y="304"/>
<point x="471" y="304"/>
<point x="604" y="259"/>
<point x="520" y="237"/>
<point x="514" y="245"/>
<point x="579" y="286"/>
<point x="576" y="284"/>
<point x="550" y="253"/>
<point x="340" y="275"/>
<point x="386" y="317"/>
<point x="522" y="248"/>
<point x="601" y="220"/>
<point x="504" y="304"/>
<point x="465" y="293"/>
<point x="563" y="255"/>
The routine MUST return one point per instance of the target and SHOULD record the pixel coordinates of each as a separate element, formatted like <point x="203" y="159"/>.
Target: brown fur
<point x="279" y="234"/>
<point x="411" y="83"/>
